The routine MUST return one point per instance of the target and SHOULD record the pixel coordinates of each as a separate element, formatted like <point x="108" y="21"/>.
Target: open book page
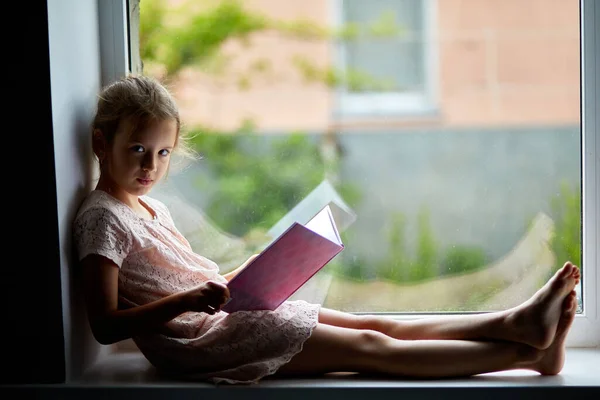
<point x="324" y="224"/>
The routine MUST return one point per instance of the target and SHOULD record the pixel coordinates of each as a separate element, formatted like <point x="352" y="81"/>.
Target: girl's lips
<point x="144" y="181"/>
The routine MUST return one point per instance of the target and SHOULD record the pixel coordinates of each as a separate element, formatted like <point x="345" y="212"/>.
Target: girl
<point x="143" y="281"/>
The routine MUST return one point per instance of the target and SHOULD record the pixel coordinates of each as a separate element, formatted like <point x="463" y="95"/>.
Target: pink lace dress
<point x="155" y="260"/>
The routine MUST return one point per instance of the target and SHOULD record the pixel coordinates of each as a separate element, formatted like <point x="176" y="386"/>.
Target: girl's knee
<point x="372" y="343"/>
<point x="373" y="350"/>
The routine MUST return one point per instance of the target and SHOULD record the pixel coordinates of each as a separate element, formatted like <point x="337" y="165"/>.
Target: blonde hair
<point x="141" y="99"/>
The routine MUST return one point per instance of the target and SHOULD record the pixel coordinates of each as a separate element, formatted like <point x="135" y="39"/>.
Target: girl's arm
<point x="110" y="325"/>
<point x="229" y="276"/>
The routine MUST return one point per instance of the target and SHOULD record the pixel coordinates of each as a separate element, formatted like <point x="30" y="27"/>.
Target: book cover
<point x="285" y="265"/>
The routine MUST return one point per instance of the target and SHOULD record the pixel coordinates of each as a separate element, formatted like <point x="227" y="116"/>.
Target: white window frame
<point x="113" y="25"/>
<point x="586" y="327"/>
<point x="352" y="105"/>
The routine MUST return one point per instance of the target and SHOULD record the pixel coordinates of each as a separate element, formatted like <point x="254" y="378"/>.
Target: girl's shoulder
<point x="99" y="200"/>
<point x="103" y="226"/>
<point x="99" y="206"/>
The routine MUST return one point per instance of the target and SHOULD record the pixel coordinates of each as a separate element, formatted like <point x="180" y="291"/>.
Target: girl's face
<point x="138" y="160"/>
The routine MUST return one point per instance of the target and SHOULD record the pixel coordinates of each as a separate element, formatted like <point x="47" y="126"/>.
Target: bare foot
<point x="535" y="321"/>
<point x="553" y="359"/>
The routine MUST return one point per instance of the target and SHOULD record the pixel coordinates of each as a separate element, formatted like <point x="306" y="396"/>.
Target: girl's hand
<point x="208" y="297"/>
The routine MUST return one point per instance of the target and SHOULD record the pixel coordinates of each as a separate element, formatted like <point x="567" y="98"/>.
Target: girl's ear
<point x="99" y="144"/>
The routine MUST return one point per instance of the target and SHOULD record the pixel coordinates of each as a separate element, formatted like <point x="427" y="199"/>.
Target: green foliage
<point x="385" y="26"/>
<point x="301" y="29"/>
<point x="258" y="179"/>
<point x="460" y="259"/>
<point x="348" y="32"/>
<point x="196" y="40"/>
<point x="566" y="213"/>
<point x="399" y="266"/>
<point x="200" y="32"/>
<point x="426" y="249"/>
<point x="211" y="29"/>
<point x="352" y="268"/>
<point x="152" y="13"/>
<point x="397" y="258"/>
<point x="353" y="79"/>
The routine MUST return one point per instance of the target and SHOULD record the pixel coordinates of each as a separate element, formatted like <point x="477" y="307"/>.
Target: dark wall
<point x="32" y="331"/>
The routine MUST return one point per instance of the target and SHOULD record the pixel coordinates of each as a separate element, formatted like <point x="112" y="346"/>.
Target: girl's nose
<point x="149" y="163"/>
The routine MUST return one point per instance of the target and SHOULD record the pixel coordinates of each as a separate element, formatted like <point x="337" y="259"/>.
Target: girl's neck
<point x="132" y="201"/>
<point x="110" y="187"/>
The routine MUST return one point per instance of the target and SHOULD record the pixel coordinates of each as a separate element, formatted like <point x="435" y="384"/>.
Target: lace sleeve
<point x="99" y="231"/>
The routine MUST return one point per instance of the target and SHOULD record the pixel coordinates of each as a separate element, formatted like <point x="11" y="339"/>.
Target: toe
<point x="575" y="270"/>
<point x="570" y="301"/>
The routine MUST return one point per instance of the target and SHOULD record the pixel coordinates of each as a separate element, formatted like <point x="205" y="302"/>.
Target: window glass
<point x="467" y="208"/>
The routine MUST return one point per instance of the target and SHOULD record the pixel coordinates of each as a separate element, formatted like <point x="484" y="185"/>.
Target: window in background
<point x="388" y="56"/>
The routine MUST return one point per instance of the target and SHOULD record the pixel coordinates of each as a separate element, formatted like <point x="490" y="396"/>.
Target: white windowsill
<point x="123" y="375"/>
<point x="582" y="368"/>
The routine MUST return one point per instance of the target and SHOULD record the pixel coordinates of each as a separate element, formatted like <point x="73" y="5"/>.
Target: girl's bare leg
<point x="367" y="351"/>
<point x="533" y="322"/>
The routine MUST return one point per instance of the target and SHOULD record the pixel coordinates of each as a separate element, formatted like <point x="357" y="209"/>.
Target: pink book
<point x="285" y="265"/>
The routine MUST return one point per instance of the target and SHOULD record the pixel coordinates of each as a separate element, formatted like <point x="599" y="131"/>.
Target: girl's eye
<point x="164" y="152"/>
<point x="137" y="149"/>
